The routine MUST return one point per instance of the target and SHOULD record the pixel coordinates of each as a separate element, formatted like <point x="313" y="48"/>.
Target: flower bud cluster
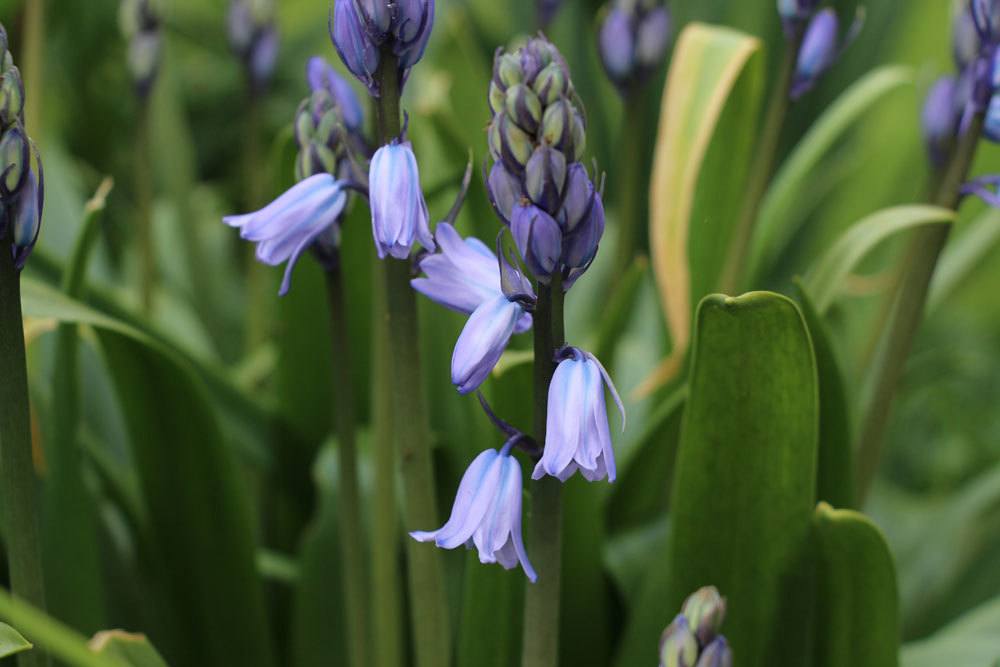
<point x="140" y="24"/>
<point x="693" y="639"/>
<point x="537" y="183"/>
<point x="633" y="40"/>
<point x="254" y="38"/>
<point x="22" y="184"/>
<point x="328" y="125"/>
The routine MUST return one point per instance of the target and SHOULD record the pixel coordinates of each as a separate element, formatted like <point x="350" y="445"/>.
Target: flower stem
<point x="144" y="204"/>
<point x="540" y="647"/>
<point x="761" y="169"/>
<point x="385" y="529"/>
<point x="920" y="262"/>
<point x="349" y="497"/>
<point x="18" y="500"/>
<point x="634" y="181"/>
<point x="428" y="604"/>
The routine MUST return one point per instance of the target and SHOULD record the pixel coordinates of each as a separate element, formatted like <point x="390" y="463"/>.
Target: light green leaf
<point x="705" y="133"/>
<point x="826" y="278"/>
<point x="11" y="641"/>
<point x="131" y="648"/>
<point x="963" y="254"/>
<point x="780" y="214"/>
<point x="971" y="641"/>
<point x="857" y="602"/>
<point x="744" y="483"/>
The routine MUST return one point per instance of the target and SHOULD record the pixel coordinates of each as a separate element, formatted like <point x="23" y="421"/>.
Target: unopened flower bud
<point x="940" y="118"/>
<point x="652" y="38"/>
<point x="524" y="107"/>
<point x="633" y="41"/>
<point x="15" y="154"/>
<point x="11" y="96"/>
<point x="545" y="178"/>
<point x="547" y="10"/>
<point x="716" y="654"/>
<point x="538" y="239"/>
<point x="551" y="83"/>
<point x="678" y="645"/>
<point x="580" y="245"/>
<point x="705" y="610"/>
<point x="505" y="191"/>
<point x="562" y="128"/>
<point x="514" y="144"/>
<point x="964" y="39"/>
<point x="818" y="51"/>
<point x="26" y="212"/>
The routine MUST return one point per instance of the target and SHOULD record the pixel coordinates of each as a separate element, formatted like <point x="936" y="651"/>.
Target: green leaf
<point x="131" y="648"/>
<point x="964" y="253"/>
<point x="857" y="602"/>
<point x="744" y="484"/>
<point x="781" y="211"/>
<point x="835" y="467"/>
<point x="826" y="278"/>
<point x="971" y="641"/>
<point x="705" y="137"/>
<point x="200" y="515"/>
<point x="11" y="641"/>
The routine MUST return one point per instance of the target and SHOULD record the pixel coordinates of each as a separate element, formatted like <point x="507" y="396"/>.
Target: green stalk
<point x="761" y="170"/>
<point x="633" y="183"/>
<point x="540" y="647"/>
<point x="33" y="65"/>
<point x="921" y="260"/>
<point x="18" y="500"/>
<point x="386" y="585"/>
<point x="349" y="496"/>
<point x="428" y="604"/>
<point x="144" y="205"/>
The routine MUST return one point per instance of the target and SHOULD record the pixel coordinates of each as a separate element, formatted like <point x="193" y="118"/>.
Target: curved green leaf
<point x="11" y="641"/>
<point x="963" y="254"/>
<point x="857" y="602"/>
<point x="779" y="213"/>
<point x="826" y="278"/>
<point x="705" y="137"/>
<point x="971" y="641"/>
<point x="131" y="648"/>
<point x="744" y="483"/>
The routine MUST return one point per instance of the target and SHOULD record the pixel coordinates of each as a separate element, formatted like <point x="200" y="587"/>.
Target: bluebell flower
<point x="322" y="76"/>
<point x="399" y="212"/>
<point x="253" y="37"/>
<point x="940" y="118"/>
<point x="361" y="29"/>
<point x="577" y="436"/>
<point x="633" y="41"/>
<point x="487" y="512"/>
<point x="26" y="212"/>
<point x="821" y="47"/>
<point x="538" y="238"/>
<point x="309" y="211"/>
<point x="463" y="275"/>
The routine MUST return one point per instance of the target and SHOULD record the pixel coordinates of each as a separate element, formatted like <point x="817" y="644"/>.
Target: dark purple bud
<point x="524" y="107"/>
<point x="547" y="10"/>
<point x="321" y="75"/>
<point x="545" y="178"/>
<point x="652" y="38"/>
<point x="991" y="122"/>
<point x="940" y="119"/>
<point x="580" y="244"/>
<point x="716" y="654"/>
<point x="705" y="609"/>
<point x="358" y="51"/>
<point x="578" y="199"/>
<point x="514" y="144"/>
<point x="504" y="190"/>
<point x="15" y="155"/>
<point x="633" y="40"/>
<point x="818" y="52"/>
<point x="263" y="57"/>
<point x="616" y="42"/>
<point x="412" y="22"/>
<point x="26" y="213"/>
<point x="538" y="239"/>
<point x="562" y="128"/>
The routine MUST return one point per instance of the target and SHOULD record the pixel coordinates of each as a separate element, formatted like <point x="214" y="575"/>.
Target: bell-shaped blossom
<point x="487" y="512"/>
<point x="577" y="436"/>
<point x="463" y="275"/>
<point x="483" y="340"/>
<point x="399" y="212"/>
<point x="293" y="222"/>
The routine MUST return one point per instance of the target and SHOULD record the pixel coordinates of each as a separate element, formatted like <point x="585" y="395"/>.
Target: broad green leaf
<point x="131" y="648"/>
<point x="963" y="254"/>
<point x="73" y="582"/>
<point x="11" y="641"/>
<point x="835" y="462"/>
<point x="857" y="602"/>
<point x="629" y="556"/>
<point x="826" y="278"/>
<point x="780" y="213"/>
<point x="744" y="483"/>
<point x="201" y="537"/>
<point x="489" y="634"/>
<point x="51" y="635"/>
<point x="705" y="132"/>
<point x="971" y="641"/>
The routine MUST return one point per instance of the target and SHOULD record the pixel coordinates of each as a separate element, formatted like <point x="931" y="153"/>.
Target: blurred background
<point x="263" y="364"/>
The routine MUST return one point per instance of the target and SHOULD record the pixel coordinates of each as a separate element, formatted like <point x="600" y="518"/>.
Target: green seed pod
<point x="523" y="107"/>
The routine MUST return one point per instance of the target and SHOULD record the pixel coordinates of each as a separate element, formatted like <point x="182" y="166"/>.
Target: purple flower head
<point x="633" y="41"/>
<point x="538" y="238"/>
<point x="253" y="37"/>
<point x="399" y="213"/>
<point x="322" y="76"/>
<point x="716" y="654"/>
<point x="678" y="645"/>
<point x="26" y="212"/>
<point x="487" y="512"/>
<point x="940" y="118"/>
<point x="577" y="436"/>
<point x="361" y="30"/>
<point x="293" y="222"/>
<point x="463" y="275"/>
